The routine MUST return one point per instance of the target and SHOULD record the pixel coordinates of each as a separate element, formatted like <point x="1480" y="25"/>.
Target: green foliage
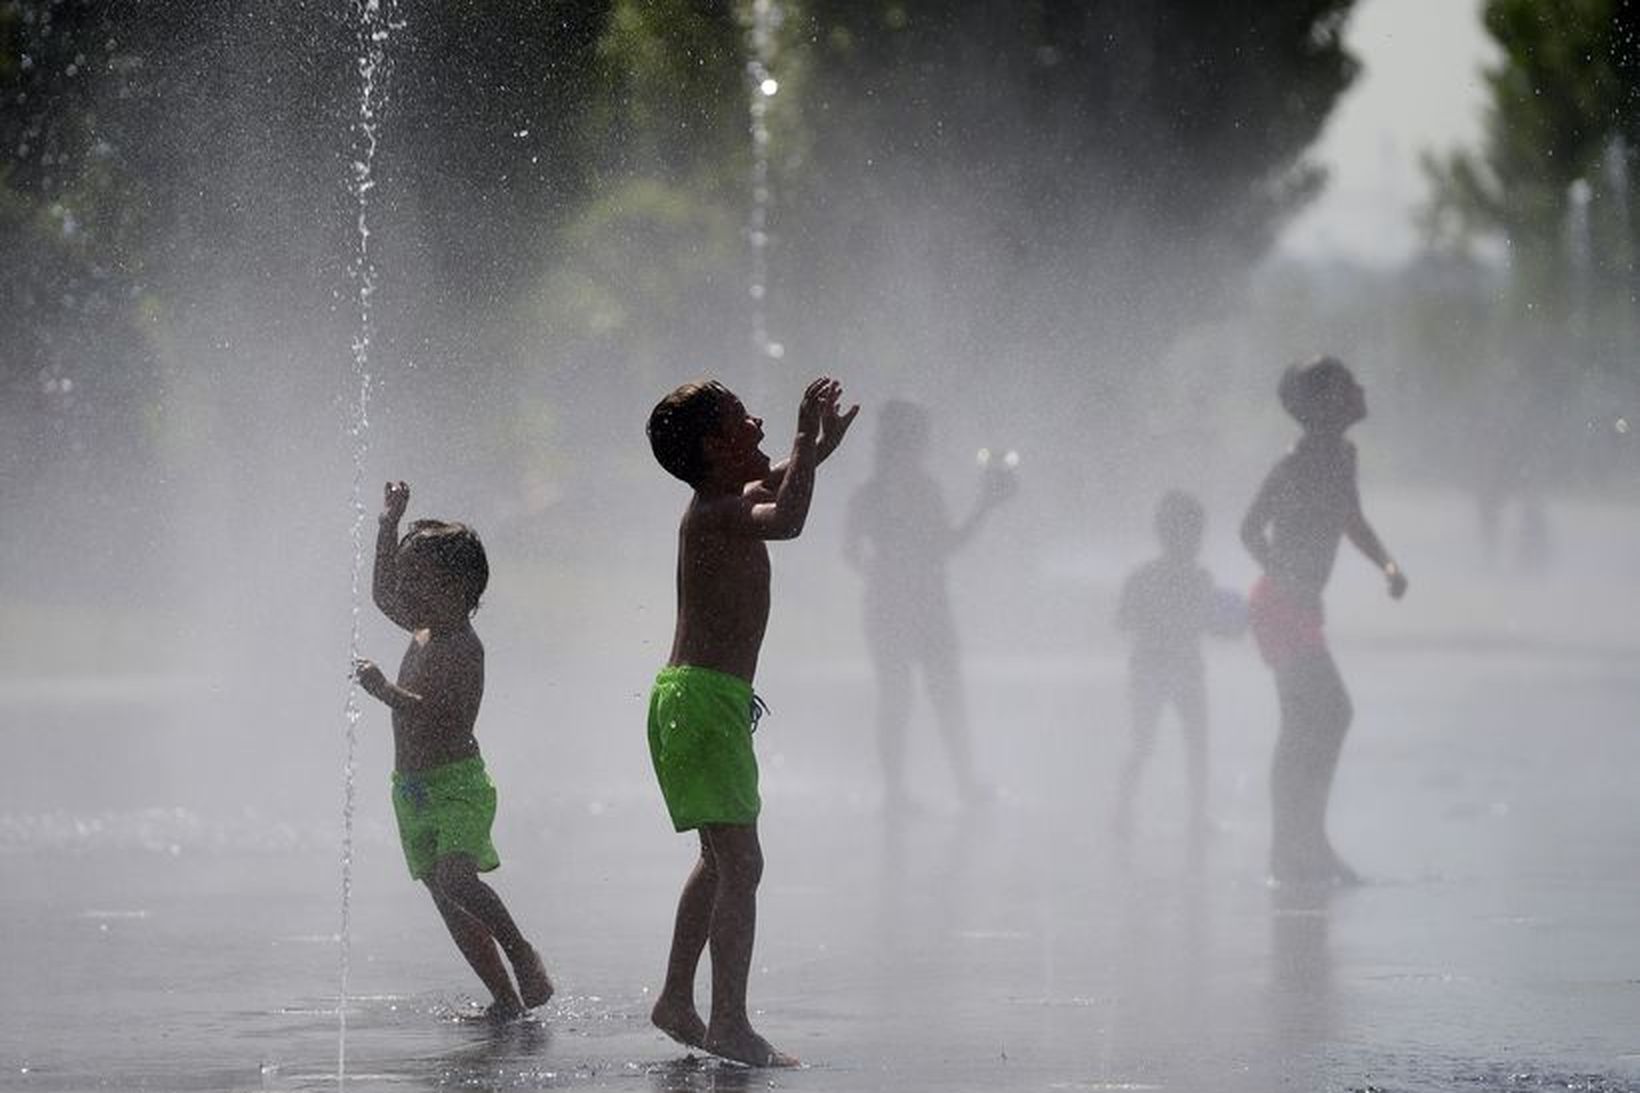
<point x="1092" y="105"/>
<point x="673" y="99"/>
<point x="1074" y="179"/>
<point x="562" y="189"/>
<point x="484" y="140"/>
<point x="1564" y="102"/>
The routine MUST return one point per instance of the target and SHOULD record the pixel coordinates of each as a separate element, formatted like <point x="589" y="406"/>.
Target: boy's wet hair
<point x="456" y="549"/>
<point x="1180" y="519"/>
<point x="1306" y="390"/>
<point x="679" y="423"/>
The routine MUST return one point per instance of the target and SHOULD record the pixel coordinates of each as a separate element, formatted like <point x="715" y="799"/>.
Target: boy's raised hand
<point x="814" y="397"/>
<point x="1397" y="581"/>
<point x="395" y="499"/>
<point x="833" y="425"/>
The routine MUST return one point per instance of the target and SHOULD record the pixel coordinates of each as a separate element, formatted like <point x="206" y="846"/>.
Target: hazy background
<point x="1093" y="233"/>
<point x="1090" y="232"/>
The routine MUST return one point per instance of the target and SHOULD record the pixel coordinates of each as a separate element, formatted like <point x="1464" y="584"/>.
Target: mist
<point x="1056" y="233"/>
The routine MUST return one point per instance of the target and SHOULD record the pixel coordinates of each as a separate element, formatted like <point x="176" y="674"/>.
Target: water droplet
<point x="1621" y="425"/>
<point x="775" y="350"/>
<point x="1011" y="460"/>
<point x="983" y="457"/>
<point x="769" y="86"/>
<point x="757" y="292"/>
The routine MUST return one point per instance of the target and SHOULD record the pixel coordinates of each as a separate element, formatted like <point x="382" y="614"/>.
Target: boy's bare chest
<point x="413" y="665"/>
<point x="727" y="575"/>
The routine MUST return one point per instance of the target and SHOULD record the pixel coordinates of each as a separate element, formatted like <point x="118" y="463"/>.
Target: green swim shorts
<point x="445" y="810"/>
<point x="700" y="740"/>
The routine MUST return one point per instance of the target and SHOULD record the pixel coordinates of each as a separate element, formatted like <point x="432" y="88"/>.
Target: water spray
<point x="766" y="19"/>
<point x="373" y="28"/>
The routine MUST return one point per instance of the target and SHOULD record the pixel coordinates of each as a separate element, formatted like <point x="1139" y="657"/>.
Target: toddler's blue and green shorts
<point x="445" y="810"/>
<point x="700" y="740"/>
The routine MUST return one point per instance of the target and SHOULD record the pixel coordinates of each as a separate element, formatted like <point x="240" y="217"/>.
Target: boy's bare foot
<point x="1341" y="874"/>
<point x="503" y="1010"/>
<point x="1331" y="871"/>
<point x="679" y="1021"/>
<point x="742" y="1045"/>
<point x="534" y="988"/>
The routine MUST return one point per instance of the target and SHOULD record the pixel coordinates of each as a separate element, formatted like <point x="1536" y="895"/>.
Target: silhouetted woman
<point x="899" y="535"/>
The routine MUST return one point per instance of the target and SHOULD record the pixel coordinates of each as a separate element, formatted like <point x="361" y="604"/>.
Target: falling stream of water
<point x="766" y="17"/>
<point x="1579" y="254"/>
<point x="372" y="65"/>
<point x="1626" y="261"/>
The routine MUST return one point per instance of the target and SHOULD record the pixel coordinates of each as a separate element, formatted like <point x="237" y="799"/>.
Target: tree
<point x="1061" y="184"/>
<point x="563" y="190"/>
<point x="1562" y="129"/>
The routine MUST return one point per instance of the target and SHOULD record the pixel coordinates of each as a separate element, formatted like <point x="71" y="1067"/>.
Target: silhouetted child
<point x="1166" y="606"/>
<point x="899" y="535"/>
<point x="701" y="709"/>
<point x="1306" y="504"/>
<point x="429" y="583"/>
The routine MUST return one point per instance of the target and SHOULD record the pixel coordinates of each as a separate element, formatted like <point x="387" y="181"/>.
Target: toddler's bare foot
<point x="742" y="1045"/>
<point x="679" y="1021"/>
<point x="534" y="988"/>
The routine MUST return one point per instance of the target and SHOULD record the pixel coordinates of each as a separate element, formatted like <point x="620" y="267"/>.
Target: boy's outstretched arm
<point x="1359" y="532"/>
<point x="831" y="435"/>
<point x="993" y="494"/>
<point x="459" y="687"/>
<point x="376" y="684"/>
<point x="384" y="585"/>
<point x="783" y="516"/>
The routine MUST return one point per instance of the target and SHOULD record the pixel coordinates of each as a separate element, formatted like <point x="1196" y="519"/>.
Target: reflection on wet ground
<point x="1013" y="946"/>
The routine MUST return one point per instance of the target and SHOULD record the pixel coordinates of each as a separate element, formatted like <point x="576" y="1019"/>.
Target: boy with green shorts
<point x="702" y="709"/>
<point x="429" y="583"/>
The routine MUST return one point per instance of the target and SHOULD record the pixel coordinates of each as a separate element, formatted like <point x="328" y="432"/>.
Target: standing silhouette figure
<point x="1166" y="607"/>
<point x="899" y="535"/>
<point x="1308" y="502"/>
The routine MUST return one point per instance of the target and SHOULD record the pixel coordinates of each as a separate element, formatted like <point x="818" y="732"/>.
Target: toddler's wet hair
<point x="1306" y="389"/>
<point x="1180" y="518"/>
<point x="457" y="550"/>
<point x="679" y="423"/>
